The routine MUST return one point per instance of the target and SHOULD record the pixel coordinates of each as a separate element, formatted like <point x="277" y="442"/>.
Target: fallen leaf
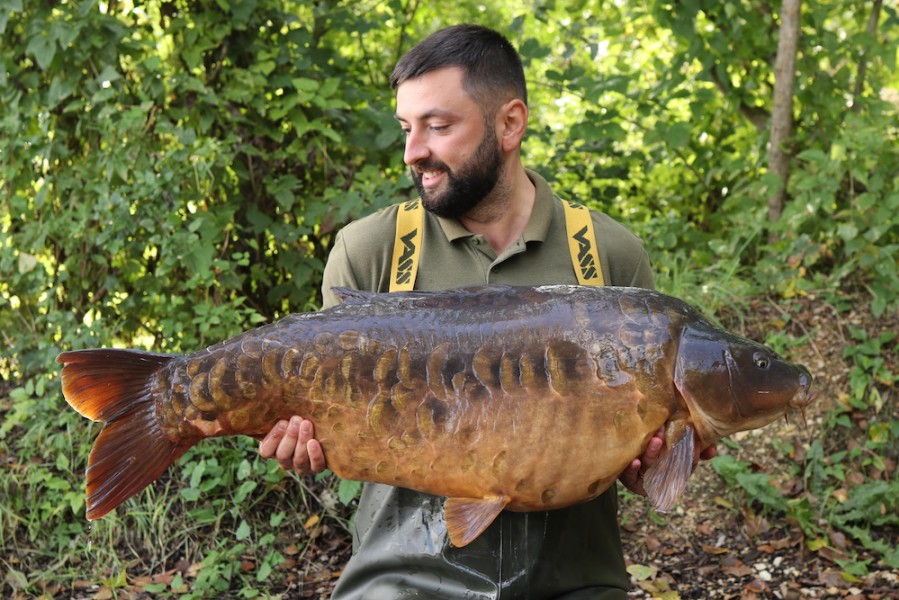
<point x="756" y="586"/>
<point x="165" y="577"/>
<point x="832" y="554"/>
<point x="311" y="522"/>
<point x="832" y="577"/>
<point x="708" y="549"/>
<point x="642" y="572"/>
<point x="704" y="529"/>
<point x="104" y="593"/>
<point x="291" y="550"/>
<point x="838" y="540"/>
<point x="840" y="495"/>
<point x="721" y="501"/>
<point x="740" y="572"/>
<point x="652" y="544"/>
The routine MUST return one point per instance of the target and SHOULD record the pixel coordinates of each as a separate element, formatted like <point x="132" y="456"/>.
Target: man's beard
<point x="465" y="189"/>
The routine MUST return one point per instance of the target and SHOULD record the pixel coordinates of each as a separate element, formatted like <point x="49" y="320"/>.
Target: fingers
<point x="709" y="453"/>
<point x="632" y="477"/>
<point x="270" y="442"/>
<point x="316" y="456"/>
<point x="293" y="445"/>
<point x="653" y="450"/>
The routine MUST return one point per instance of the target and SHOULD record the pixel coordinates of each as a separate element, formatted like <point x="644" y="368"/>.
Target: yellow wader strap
<point x="407" y="246"/>
<point x="582" y="244"/>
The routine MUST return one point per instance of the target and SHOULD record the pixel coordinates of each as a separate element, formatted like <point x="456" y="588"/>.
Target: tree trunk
<point x="873" y="21"/>
<point x="782" y="106"/>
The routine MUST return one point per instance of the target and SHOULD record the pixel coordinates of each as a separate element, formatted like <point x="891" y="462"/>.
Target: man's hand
<point x="632" y="477"/>
<point x="293" y="445"/>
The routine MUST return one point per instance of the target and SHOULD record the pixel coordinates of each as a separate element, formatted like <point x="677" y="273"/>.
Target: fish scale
<point x="449" y="393"/>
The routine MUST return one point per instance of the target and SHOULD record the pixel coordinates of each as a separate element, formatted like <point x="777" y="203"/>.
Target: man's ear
<point x="511" y="123"/>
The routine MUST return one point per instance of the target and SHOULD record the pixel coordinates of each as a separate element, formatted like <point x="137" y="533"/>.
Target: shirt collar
<point x="538" y="224"/>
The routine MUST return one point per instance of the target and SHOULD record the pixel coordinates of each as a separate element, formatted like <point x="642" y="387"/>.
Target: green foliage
<point x="173" y="172"/>
<point x="846" y="471"/>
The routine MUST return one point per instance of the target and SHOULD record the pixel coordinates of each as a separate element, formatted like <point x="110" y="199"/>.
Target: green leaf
<point x="7" y="9"/>
<point x="243" y="531"/>
<point x="200" y="259"/>
<point x="304" y="84"/>
<point x="43" y="47"/>
<point x="244" y="469"/>
<point x="62" y="462"/>
<point x="27" y="262"/>
<point x="678" y="134"/>
<point x="16" y="579"/>
<point x="245" y="489"/>
<point x="642" y="572"/>
<point x="847" y="231"/>
<point x="190" y="494"/>
<point x="348" y="490"/>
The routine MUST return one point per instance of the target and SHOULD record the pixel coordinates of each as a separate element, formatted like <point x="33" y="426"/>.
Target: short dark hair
<point x="492" y="68"/>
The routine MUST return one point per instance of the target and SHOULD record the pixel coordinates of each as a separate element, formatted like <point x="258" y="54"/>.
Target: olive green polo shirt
<point x="451" y="256"/>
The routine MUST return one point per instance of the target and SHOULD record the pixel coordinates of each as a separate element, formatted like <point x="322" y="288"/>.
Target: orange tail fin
<point x="113" y="386"/>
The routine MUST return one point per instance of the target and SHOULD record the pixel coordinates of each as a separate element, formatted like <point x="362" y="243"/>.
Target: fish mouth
<point x="805" y="396"/>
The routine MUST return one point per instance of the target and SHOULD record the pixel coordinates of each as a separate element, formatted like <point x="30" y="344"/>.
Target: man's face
<point x="453" y="155"/>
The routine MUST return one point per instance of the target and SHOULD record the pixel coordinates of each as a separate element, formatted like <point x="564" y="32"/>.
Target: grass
<point x="219" y="522"/>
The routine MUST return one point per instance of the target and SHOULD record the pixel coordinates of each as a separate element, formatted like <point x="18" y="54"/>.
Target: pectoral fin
<point x="467" y="518"/>
<point x="666" y="480"/>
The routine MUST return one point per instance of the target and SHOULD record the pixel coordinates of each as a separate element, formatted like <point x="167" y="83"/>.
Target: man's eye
<point x="439" y="128"/>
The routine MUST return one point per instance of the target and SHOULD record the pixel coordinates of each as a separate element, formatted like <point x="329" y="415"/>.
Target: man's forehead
<point x="437" y="93"/>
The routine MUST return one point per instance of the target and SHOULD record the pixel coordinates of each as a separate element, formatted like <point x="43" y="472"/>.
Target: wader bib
<point x="401" y="546"/>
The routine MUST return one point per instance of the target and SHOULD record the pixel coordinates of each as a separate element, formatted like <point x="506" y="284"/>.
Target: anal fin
<point x="467" y="518"/>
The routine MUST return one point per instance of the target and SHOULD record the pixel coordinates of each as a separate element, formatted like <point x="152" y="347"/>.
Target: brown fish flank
<point x="484" y="395"/>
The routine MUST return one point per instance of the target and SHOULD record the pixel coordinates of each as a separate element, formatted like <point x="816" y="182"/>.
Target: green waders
<point x="402" y="552"/>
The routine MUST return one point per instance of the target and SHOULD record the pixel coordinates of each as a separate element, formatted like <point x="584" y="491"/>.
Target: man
<point x="461" y="100"/>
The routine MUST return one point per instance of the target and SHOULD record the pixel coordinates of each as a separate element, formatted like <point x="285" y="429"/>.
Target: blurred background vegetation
<point x="174" y="172"/>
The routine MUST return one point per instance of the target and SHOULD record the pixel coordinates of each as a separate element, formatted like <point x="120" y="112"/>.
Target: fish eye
<point x="761" y="360"/>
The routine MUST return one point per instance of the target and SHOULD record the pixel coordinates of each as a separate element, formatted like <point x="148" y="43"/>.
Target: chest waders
<point x="402" y="549"/>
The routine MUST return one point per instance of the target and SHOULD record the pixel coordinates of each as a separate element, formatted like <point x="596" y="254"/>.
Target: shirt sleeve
<point x="622" y="253"/>
<point x="643" y="277"/>
<point x="338" y="272"/>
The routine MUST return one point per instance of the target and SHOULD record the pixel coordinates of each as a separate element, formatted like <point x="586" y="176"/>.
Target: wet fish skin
<point x="449" y="393"/>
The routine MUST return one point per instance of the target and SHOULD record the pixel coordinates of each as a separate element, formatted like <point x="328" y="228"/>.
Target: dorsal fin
<point x="351" y="296"/>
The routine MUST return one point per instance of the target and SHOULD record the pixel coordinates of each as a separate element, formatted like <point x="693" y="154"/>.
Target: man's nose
<point x="416" y="149"/>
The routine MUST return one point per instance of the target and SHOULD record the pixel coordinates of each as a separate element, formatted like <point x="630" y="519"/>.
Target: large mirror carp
<point x="452" y="393"/>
